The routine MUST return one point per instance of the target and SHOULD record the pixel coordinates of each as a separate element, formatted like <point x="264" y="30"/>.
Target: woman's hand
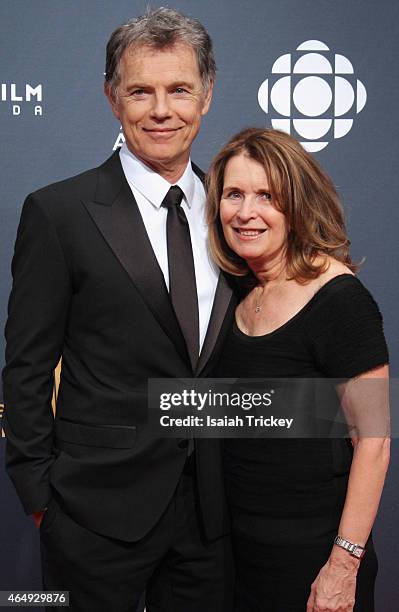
<point x="335" y="585"/>
<point x="365" y="401"/>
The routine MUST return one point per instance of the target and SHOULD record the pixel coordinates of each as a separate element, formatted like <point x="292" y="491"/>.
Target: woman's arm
<point x="366" y="405"/>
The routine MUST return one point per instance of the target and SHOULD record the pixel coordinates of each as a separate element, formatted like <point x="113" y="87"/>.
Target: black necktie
<point x="182" y="285"/>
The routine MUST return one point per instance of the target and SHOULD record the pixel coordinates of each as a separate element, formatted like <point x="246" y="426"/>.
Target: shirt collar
<point x="151" y="184"/>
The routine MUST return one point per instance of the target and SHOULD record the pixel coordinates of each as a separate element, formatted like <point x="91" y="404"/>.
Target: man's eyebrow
<point x="143" y="85"/>
<point x="182" y="84"/>
<point x="137" y="85"/>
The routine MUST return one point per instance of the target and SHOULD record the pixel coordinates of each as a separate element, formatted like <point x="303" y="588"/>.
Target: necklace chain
<point x="258" y="302"/>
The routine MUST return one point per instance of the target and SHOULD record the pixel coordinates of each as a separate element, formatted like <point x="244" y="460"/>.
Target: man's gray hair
<point x="160" y="28"/>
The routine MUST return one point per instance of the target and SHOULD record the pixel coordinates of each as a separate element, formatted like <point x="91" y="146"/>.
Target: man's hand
<point x="335" y="586"/>
<point x="38" y="517"/>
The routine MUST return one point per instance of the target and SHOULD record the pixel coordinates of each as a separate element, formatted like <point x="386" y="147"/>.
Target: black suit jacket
<point x="87" y="287"/>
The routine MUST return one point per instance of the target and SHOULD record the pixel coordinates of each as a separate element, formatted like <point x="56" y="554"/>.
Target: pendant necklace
<point x="258" y="302"/>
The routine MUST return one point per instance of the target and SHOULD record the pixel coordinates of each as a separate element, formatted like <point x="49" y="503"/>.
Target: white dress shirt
<point x="149" y="190"/>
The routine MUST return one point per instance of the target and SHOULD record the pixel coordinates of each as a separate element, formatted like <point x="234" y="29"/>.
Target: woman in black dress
<point x="276" y="224"/>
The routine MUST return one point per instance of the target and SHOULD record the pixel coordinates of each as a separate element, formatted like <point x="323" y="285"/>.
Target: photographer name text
<point x="247" y="420"/>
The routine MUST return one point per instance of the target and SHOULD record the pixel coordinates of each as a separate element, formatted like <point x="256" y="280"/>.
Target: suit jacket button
<point x="182" y="443"/>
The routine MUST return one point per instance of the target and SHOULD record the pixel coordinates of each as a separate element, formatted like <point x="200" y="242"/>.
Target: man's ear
<point x="112" y="99"/>
<point x="207" y="99"/>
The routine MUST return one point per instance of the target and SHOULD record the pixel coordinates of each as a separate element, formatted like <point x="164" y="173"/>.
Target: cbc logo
<point x="313" y="108"/>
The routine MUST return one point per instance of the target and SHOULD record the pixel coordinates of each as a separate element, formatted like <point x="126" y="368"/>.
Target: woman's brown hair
<point x="301" y="190"/>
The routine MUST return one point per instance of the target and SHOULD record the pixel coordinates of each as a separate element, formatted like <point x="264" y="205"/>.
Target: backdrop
<point x="324" y="70"/>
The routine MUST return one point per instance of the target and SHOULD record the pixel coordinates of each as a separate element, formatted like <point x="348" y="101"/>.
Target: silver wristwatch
<point x="353" y="549"/>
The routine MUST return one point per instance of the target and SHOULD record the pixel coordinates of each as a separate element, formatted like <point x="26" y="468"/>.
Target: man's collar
<point x="151" y="184"/>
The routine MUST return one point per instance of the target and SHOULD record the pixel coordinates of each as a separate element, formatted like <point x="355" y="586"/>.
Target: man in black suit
<point x="112" y="274"/>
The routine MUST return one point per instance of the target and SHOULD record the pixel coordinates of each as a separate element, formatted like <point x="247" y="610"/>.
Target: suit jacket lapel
<point x="116" y="214"/>
<point x="223" y="296"/>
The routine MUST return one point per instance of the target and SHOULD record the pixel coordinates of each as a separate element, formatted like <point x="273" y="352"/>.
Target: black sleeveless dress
<point x="286" y="495"/>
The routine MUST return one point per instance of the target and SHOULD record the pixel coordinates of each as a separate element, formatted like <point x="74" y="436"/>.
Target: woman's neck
<point x="270" y="273"/>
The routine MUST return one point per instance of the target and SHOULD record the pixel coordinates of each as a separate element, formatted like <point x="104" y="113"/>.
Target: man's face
<point x="160" y="102"/>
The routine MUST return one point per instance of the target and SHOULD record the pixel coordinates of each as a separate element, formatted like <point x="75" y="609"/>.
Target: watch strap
<point x="356" y="550"/>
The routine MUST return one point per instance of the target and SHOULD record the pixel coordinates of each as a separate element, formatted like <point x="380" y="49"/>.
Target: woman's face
<point x="252" y="226"/>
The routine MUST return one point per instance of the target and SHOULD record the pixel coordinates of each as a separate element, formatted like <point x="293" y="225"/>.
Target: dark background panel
<point x="60" y="45"/>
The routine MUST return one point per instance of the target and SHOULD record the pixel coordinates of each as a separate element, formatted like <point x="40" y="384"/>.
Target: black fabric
<point x="85" y="271"/>
<point x="278" y="578"/>
<point x="285" y="494"/>
<point x="84" y="268"/>
<point x="182" y="283"/>
<point x="182" y="571"/>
